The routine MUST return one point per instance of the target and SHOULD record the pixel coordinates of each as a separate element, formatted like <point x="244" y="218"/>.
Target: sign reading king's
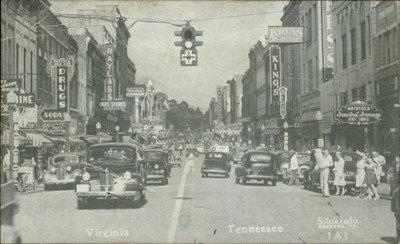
<point x="275" y="73"/>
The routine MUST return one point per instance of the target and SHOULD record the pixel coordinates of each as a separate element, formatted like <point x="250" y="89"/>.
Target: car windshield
<point x="68" y="159"/>
<point x="303" y="159"/>
<point x="260" y="158"/>
<point x="215" y="156"/>
<point x="151" y="156"/>
<point x="111" y="154"/>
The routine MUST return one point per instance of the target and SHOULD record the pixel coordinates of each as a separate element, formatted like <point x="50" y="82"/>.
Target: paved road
<point x="195" y="209"/>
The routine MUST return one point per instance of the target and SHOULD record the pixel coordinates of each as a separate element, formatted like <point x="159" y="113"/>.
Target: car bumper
<point x="214" y="171"/>
<point x="60" y="182"/>
<point x="111" y="195"/>
<point x="155" y="177"/>
<point x="261" y="177"/>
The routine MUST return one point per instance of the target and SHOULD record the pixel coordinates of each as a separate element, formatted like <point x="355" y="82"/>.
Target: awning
<point x="38" y="139"/>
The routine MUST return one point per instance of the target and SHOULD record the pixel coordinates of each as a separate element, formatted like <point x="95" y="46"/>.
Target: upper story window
<point x="343" y="31"/>
<point x="353" y="38"/>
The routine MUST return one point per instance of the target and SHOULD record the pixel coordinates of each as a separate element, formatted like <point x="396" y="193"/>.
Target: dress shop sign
<point x="358" y="113"/>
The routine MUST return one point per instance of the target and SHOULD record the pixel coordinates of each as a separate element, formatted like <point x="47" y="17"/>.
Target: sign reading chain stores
<point x="275" y="73"/>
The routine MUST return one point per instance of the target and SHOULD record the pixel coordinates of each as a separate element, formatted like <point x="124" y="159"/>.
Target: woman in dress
<point x="339" y="181"/>
<point x="370" y="179"/>
<point x="360" y="173"/>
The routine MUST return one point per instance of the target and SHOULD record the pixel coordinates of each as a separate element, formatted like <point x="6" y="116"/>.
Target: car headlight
<point x="86" y="176"/>
<point x="53" y="170"/>
<point x="156" y="166"/>
<point x="127" y="175"/>
<point x="68" y="168"/>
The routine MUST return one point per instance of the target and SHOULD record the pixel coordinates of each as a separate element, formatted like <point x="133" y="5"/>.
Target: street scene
<point x="200" y="121"/>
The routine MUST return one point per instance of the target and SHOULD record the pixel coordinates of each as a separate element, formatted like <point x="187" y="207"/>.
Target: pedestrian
<point x="294" y="169"/>
<point x="360" y="173"/>
<point x="6" y="165"/>
<point x="380" y="163"/>
<point x="324" y="161"/>
<point x="370" y="179"/>
<point x="396" y="211"/>
<point x="339" y="181"/>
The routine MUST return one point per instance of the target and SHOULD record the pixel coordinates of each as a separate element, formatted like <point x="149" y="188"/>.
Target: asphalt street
<point x="195" y="209"/>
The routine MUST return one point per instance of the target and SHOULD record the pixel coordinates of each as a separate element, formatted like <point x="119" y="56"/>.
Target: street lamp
<point x="98" y="128"/>
<point x="116" y="131"/>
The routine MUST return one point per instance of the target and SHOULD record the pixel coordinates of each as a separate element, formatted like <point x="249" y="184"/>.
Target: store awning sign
<point x="358" y="113"/>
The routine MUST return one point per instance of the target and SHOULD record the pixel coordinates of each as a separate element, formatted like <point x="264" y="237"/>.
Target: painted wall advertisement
<point x="275" y="73"/>
<point x="62" y="89"/>
<point x="327" y="40"/>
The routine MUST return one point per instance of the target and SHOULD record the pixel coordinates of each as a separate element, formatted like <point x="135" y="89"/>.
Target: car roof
<point x="258" y="151"/>
<point x="152" y="150"/>
<point x="69" y="154"/>
<point x="108" y="144"/>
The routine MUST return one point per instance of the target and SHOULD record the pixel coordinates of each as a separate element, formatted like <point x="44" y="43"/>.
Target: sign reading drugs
<point x="275" y="73"/>
<point x="62" y="89"/>
<point x="358" y="113"/>
<point x="109" y="72"/>
<point x="285" y="34"/>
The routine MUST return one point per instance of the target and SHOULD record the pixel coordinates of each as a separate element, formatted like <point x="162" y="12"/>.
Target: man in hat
<point x="324" y="161"/>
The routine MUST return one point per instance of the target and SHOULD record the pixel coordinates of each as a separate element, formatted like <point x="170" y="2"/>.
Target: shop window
<point x="363" y="41"/>
<point x="354" y="94"/>
<point x="363" y="93"/>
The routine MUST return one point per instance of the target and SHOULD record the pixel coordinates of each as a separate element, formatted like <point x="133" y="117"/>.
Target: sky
<point x="226" y="41"/>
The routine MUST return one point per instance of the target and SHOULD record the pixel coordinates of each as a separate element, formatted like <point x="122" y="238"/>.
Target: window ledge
<point x="387" y="65"/>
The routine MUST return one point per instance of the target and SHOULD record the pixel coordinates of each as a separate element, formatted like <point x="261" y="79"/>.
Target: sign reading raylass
<point x="358" y="113"/>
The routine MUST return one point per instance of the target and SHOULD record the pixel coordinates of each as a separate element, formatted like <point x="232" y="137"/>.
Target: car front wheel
<point x="274" y="182"/>
<point x="82" y="203"/>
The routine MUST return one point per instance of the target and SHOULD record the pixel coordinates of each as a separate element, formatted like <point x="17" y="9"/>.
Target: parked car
<point x="311" y="177"/>
<point x="62" y="169"/>
<point x="305" y="164"/>
<point x="9" y="207"/>
<point x="112" y="172"/>
<point x="155" y="162"/>
<point x="216" y="163"/>
<point x="257" y="165"/>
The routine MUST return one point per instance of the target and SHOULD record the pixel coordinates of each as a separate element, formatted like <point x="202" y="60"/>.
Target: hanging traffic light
<point x="188" y="43"/>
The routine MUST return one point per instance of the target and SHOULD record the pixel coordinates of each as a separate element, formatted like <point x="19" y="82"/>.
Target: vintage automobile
<point x="9" y="207"/>
<point x="305" y="164"/>
<point x="172" y="160"/>
<point x="216" y="163"/>
<point x="238" y="154"/>
<point x="155" y="162"/>
<point x="112" y="172"/>
<point x="62" y="170"/>
<point x="200" y="148"/>
<point x="257" y="165"/>
<point x="311" y="177"/>
<point x="191" y="149"/>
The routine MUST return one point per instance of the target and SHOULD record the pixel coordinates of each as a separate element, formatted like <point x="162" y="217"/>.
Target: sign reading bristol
<point x="358" y="113"/>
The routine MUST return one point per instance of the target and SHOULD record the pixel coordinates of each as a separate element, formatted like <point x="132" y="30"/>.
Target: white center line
<point x="178" y="204"/>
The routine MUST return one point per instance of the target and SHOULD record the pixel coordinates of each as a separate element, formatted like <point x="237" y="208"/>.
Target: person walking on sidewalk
<point x="370" y="179"/>
<point x="294" y="169"/>
<point x="324" y="161"/>
<point x="380" y="163"/>
<point x="360" y="174"/>
<point x="396" y="211"/>
<point x="339" y="181"/>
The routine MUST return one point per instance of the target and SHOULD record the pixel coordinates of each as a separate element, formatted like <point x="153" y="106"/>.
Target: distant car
<point x="112" y="172"/>
<point x="216" y="163"/>
<point x="257" y="165"/>
<point x="155" y="162"/>
<point x="62" y="169"/>
<point x="200" y="148"/>
<point x="311" y="177"/>
<point x="190" y="149"/>
<point x="283" y="165"/>
<point x="305" y="163"/>
<point x="172" y="160"/>
<point x="238" y="154"/>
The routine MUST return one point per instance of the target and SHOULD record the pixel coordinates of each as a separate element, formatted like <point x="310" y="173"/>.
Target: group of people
<point x="368" y="174"/>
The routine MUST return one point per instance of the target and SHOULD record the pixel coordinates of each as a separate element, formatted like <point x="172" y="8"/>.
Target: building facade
<point x="386" y="67"/>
